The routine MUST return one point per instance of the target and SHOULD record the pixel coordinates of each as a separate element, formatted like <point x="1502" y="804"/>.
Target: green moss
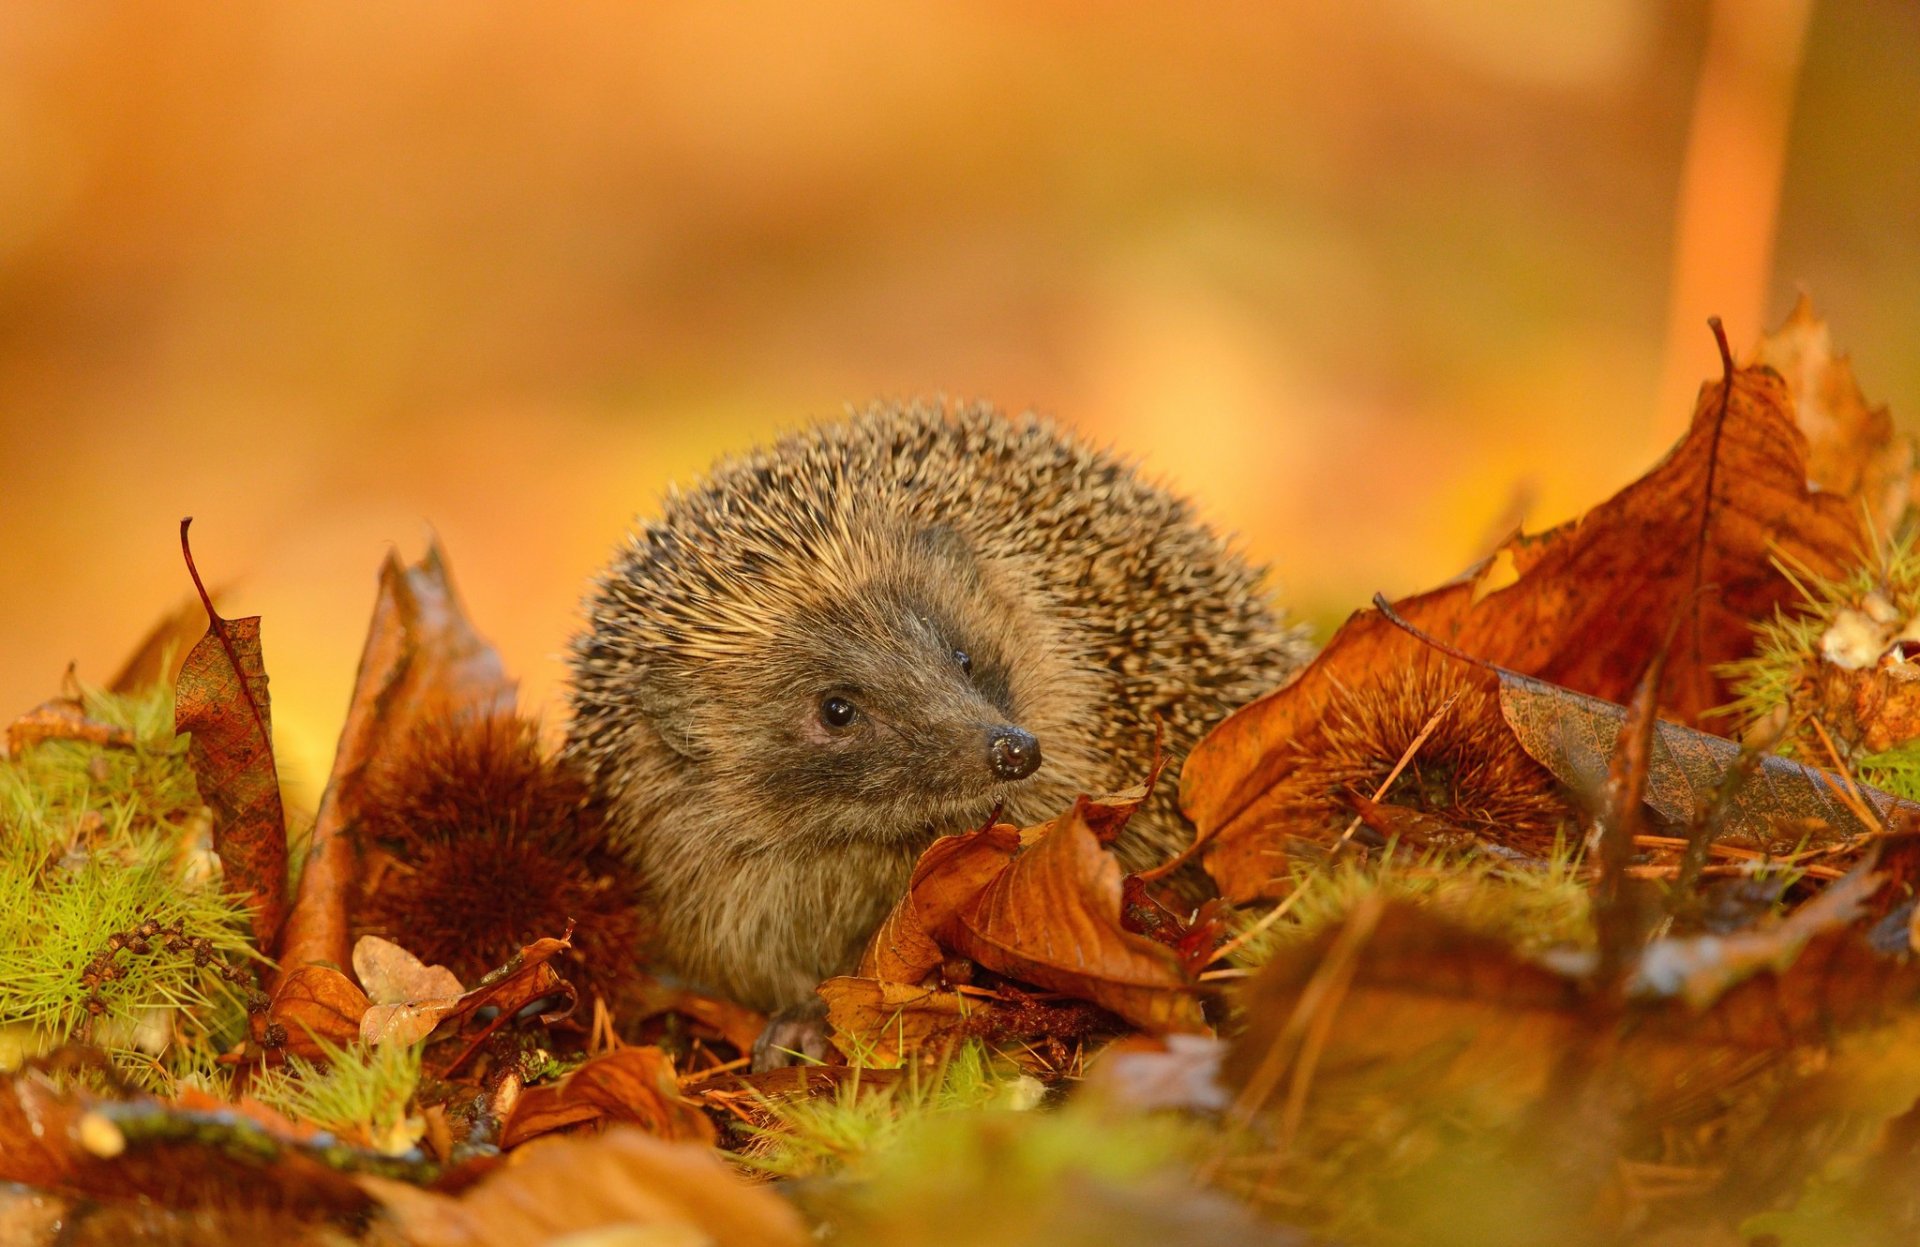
<point x="1532" y="907"/>
<point x="96" y="841"/>
<point x="361" y="1094"/>
<point x="816" y="1135"/>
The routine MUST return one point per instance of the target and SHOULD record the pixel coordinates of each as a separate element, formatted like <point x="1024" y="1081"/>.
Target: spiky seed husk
<point x="488" y="843"/>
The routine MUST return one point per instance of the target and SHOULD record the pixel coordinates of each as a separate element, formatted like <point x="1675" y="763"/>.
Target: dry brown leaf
<point x="623" y="1178"/>
<point x="409" y="998"/>
<point x="877" y="1022"/>
<point x="947" y="878"/>
<point x="1573" y="735"/>
<point x="526" y="978"/>
<point x="62" y="718"/>
<point x="422" y="660"/>
<point x="313" y="1006"/>
<point x="1589" y="604"/>
<point x="1052" y="918"/>
<point x="1853" y="449"/>
<point x="222" y="699"/>
<point x="637" y="1086"/>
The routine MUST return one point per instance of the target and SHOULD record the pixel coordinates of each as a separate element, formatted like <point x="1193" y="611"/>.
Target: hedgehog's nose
<point x="1015" y="754"/>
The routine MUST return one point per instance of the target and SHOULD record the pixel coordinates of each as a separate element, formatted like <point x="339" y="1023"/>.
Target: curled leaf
<point x="222" y="699"/>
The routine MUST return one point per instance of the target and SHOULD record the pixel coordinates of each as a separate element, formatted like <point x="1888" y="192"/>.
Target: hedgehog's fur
<point x="855" y="558"/>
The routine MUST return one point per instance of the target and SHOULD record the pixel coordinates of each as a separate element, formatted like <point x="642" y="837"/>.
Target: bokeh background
<point x="1375" y="280"/>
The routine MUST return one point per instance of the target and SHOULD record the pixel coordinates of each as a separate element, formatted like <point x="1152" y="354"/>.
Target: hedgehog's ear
<point x="669" y="709"/>
<point x="944" y="544"/>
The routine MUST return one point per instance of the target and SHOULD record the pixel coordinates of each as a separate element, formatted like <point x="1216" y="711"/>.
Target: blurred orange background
<point x="1374" y="281"/>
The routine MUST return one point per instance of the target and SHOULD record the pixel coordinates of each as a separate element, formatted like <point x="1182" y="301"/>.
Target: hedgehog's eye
<point x="837" y="712"/>
<point x="966" y="663"/>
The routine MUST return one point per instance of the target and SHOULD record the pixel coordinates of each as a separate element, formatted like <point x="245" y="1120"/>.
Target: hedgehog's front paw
<point x="796" y="1033"/>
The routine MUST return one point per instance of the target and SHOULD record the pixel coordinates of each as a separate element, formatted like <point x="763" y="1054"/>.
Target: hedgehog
<point x="877" y="631"/>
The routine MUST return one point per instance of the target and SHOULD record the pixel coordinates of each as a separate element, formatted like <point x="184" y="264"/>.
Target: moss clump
<point x="1534" y="907"/>
<point x="364" y="1095"/>
<point x="113" y="929"/>
<point x="810" y="1136"/>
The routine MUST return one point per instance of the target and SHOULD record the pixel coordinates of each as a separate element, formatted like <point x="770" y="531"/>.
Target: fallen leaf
<point x="409" y="998"/>
<point x="1853" y="449"/>
<point x="946" y="879"/>
<point x="222" y="699"/>
<point x="179" y="1156"/>
<point x="422" y="660"/>
<point x="1572" y="735"/>
<point x="313" y="1008"/>
<point x="563" y="1187"/>
<point x="877" y="1021"/>
<point x="1052" y="918"/>
<point x="1696" y="538"/>
<point x="390" y="974"/>
<point x="63" y="718"/>
<point x="634" y="1085"/>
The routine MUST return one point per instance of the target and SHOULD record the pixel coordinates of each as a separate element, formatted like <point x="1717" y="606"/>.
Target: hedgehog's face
<point x="887" y="712"/>
<point x="894" y="716"/>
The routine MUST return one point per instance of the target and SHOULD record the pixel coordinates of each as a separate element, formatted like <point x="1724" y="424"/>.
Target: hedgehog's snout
<point x="1013" y="752"/>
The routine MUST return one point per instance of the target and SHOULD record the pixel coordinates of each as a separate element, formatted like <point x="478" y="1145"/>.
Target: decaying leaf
<point x="633" y="1085"/>
<point x="1852" y="449"/>
<point x="222" y="699"/>
<point x="62" y="718"/>
<point x="313" y="1007"/>
<point x="1052" y="918"/>
<point x="408" y="998"/>
<point x="1590" y="602"/>
<point x="1048" y="913"/>
<point x="624" y="1179"/>
<point x="422" y="661"/>
<point x="1573" y="736"/>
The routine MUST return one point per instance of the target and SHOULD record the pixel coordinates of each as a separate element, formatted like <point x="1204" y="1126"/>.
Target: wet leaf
<point x="633" y="1085"/>
<point x="222" y="699"/>
<point x="422" y="661"/>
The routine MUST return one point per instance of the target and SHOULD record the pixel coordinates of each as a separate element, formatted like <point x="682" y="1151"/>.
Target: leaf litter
<point x="1518" y="943"/>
